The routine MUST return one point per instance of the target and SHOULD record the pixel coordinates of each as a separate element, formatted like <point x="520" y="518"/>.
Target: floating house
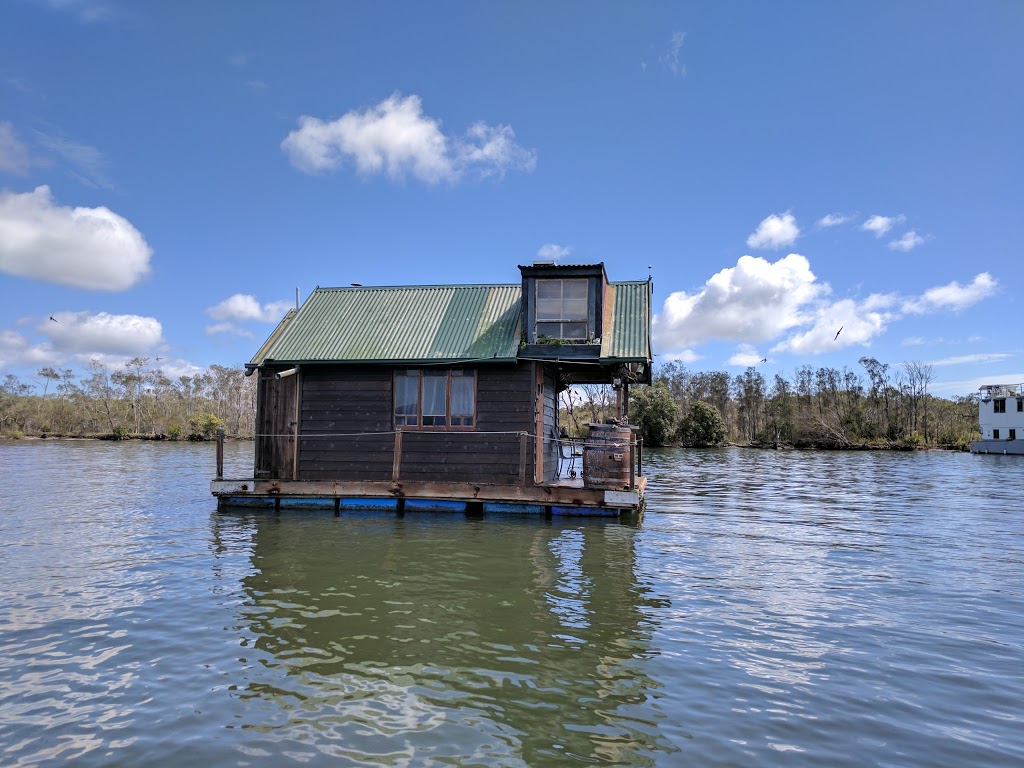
<point x="1001" y="419"/>
<point x="446" y="397"/>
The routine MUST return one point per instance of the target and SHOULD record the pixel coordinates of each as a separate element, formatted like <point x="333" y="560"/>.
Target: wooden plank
<point x="523" y="443"/>
<point x="539" y="494"/>
<point x="538" y="461"/>
<point x="396" y="467"/>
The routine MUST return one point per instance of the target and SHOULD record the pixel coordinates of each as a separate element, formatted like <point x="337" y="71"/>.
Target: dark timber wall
<point x="346" y="430"/>
<point x="275" y="408"/>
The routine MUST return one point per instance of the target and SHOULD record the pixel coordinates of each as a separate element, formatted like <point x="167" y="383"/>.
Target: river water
<point x="790" y="608"/>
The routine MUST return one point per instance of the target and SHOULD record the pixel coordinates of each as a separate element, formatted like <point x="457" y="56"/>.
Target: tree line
<point x="877" y="407"/>
<point x="137" y="400"/>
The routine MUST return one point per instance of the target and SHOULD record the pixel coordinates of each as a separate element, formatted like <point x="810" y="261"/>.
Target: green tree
<point x="654" y="411"/>
<point x="702" y="425"/>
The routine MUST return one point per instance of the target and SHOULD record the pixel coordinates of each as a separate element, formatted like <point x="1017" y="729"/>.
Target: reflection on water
<point x="772" y="607"/>
<point x="382" y="638"/>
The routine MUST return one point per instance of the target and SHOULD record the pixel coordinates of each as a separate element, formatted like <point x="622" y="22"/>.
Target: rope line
<point x="566" y="441"/>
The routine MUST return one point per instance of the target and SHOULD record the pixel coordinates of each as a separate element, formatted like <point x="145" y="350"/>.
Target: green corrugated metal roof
<point x="408" y="324"/>
<point x="629" y="337"/>
<point x="419" y="324"/>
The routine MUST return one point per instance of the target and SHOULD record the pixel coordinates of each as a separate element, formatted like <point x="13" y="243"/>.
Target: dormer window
<point x="562" y="308"/>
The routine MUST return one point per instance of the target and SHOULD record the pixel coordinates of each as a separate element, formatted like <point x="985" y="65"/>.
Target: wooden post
<point x="640" y="456"/>
<point x="632" y="461"/>
<point x="220" y="453"/>
<point x="523" y="446"/>
<point x="396" y="464"/>
<point x="538" y="462"/>
<point x="295" y="448"/>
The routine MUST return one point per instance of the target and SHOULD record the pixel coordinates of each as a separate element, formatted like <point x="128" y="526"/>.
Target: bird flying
<point x="838" y="332"/>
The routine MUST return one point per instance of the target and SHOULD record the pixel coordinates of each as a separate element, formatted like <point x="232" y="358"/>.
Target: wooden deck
<point x="565" y="494"/>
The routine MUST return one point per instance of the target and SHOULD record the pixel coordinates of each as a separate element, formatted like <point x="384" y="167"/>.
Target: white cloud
<point x="833" y="220"/>
<point x="553" y="251"/>
<point x="914" y="341"/>
<point x="88" y="162"/>
<point x="879" y="225"/>
<point x="230" y="328"/>
<point x="245" y="307"/>
<point x="981" y="358"/>
<point x="91" y="248"/>
<point x="745" y="355"/>
<point x="953" y="295"/>
<point x="775" y="232"/>
<point x="842" y="324"/>
<point x="754" y="301"/>
<point x="85" y="334"/>
<point x="396" y="138"/>
<point x="14" y="155"/>
<point x="683" y="356"/>
<point x="17" y="351"/>
<point x="908" y="242"/>
<point x="971" y="386"/>
<point x="671" y="59"/>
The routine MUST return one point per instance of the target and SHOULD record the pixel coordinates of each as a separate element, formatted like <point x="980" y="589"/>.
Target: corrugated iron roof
<point x="436" y="323"/>
<point x="629" y="337"/>
<point x="401" y="324"/>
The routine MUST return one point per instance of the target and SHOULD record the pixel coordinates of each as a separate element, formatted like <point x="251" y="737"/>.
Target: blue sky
<point x="171" y="172"/>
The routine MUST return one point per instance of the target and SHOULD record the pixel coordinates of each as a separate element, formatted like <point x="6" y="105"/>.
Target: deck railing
<point x="524" y="439"/>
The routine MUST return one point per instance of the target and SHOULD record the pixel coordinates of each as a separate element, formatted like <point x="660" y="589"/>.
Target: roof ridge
<point x="414" y="287"/>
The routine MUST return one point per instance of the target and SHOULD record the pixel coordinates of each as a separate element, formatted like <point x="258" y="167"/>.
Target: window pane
<point x="575" y="309"/>
<point x="575" y="289"/>
<point x="462" y="396"/>
<point x="549" y="289"/>
<point x="573" y="331"/>
<point x="549" y="309"/>
<point x="434" y="385"/>
<point x="406" y="395"/>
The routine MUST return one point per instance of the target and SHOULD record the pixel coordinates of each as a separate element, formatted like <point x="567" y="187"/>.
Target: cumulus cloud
<point x="86" y="334"/>
<point x="91" y="248"/>
<point x="775" y="231"/>
<point x="745" y="355"/>
<point x="16" y="351"/>
<point x="14" y="155"/>
<point x="783" y="302"/>
<point x="754" y="301"/>
<point x="396" y="138"/>
<point x="880" y="225"/>
<point x="953" y="295"/>
<point x="833" y="220"/>
<point x="245" y="307"/>
<point x="841" y="324"/>
<point x="908" y="242"/>
<point x="553" y="251"/>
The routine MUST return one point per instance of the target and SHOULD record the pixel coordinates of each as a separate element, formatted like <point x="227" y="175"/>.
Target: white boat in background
<point x="1001" y="419"/>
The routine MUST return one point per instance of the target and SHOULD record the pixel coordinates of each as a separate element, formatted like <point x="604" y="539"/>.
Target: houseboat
<point x="445" y="397"/>
<point x="1001" y="419"/>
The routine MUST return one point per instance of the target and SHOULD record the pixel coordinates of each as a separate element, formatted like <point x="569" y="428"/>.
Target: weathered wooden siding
<point x="275" y="444"/>
<point x="550" y="423"/>
<point x="504" y="405"/>
<point x="346" y="430"/>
